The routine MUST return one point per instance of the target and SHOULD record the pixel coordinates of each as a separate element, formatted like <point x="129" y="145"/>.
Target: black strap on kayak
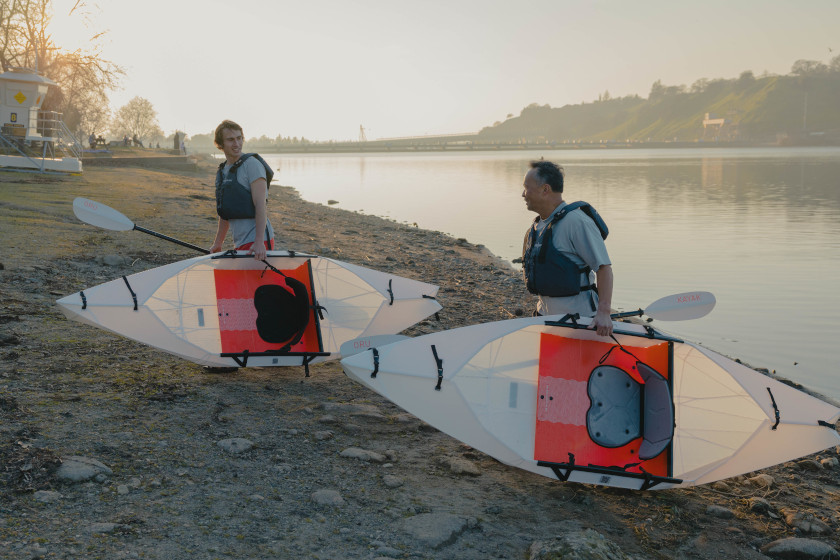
<point x="84" y="300"/>
<point x="439" y="363"/>
<point x="570" y="317"/>
<point x="133" y="295"/>
<point x="375" y="362"/>
<point x="306" y="359"/>
<point x="437" y="315"/>
<point x="390" y="291"/>
<point x="775" y="408"/>
<point x="620" y="347"/>
<point x="826" y="424"/>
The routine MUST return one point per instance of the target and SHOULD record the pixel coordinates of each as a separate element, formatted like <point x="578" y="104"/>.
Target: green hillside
<point x="801" y="106"/>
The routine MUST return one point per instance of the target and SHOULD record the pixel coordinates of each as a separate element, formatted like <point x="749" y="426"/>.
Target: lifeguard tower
<point x="31" y="139"/>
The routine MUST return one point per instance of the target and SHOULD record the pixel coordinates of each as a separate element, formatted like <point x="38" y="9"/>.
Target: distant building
<point x="719" y="129"/>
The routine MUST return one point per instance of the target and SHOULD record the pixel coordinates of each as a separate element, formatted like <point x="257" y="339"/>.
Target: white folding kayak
<point x="228" y="309"/>
<point x="643" y="410"/>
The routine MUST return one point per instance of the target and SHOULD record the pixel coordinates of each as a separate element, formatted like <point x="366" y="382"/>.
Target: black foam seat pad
<point x="282" y="315"/>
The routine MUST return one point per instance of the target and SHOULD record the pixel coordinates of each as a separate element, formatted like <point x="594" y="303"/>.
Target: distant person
<point x="125" y="140"/>
<point x="573" y="272"/>
<point x="137" y="141"/>
<point x="100" y="140"/>
<point x="241" y="194"/>
<point x="92" y="141"/>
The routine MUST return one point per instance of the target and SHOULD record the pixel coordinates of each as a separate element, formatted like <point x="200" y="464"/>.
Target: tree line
<point x="84" y="76"/>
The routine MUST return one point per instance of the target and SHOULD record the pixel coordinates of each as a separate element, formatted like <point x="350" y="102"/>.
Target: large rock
<point x="800" y="549"/>
<point x="580" y="545"/>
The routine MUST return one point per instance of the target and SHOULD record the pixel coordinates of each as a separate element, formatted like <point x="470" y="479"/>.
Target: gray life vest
<point x="233" y="199"/>
<point x="548" y="272"/>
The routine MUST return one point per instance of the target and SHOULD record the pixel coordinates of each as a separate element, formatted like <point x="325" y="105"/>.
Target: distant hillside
<point x="802" y="106"/>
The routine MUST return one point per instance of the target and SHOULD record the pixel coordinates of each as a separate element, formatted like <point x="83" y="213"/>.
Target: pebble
<point x="760" y="505"/>
<point x="46" y="496"/>
<point x="326" y="497"/>
<point x="103" y="528"/>
<point x="720" y="512"/>
<point x="588" y="544"/>
<point x="80" y="469"/>
<point x="830" y="463"/>
<point x="762" y="481"/>
<point x="363" y="455"/>
<point x="392" y="481"/>
<point x="809" y="465"/>
<point x="805" y="522"/>
<point x="459" y="465"/>
<point x="235" y="445"/>
<point x="436" y="530"/>
<point x="111" y="260"/>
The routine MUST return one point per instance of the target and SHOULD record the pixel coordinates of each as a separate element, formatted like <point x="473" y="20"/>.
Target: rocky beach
<point x="110" y="449"/>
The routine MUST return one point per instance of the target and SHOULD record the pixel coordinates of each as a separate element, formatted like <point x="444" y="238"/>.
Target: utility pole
<point x="362" y="135"/>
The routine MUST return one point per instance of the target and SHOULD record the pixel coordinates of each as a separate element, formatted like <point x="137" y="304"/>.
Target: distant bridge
<point x="460" y="143"/>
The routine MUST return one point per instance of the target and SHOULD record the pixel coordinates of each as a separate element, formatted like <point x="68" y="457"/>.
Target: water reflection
<point x="759" y="228"/>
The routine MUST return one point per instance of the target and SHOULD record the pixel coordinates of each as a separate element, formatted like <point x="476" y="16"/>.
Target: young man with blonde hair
<point x="241" y="194"/>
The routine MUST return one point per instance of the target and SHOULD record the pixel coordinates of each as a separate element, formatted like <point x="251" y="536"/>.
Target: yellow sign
<point x="20" y="98"/>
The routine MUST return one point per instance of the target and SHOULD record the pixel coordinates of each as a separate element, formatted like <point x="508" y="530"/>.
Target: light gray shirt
<point x="578" y="238"/>
<point x="244" y="230"/>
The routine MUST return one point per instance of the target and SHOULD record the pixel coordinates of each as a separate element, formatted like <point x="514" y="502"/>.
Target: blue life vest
<point x="233" y="199"/>
<point x="548" y="272"/>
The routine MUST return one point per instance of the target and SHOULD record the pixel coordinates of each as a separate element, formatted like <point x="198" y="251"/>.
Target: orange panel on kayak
<point x="238" y="317"/>
<point x="562" y="401"/>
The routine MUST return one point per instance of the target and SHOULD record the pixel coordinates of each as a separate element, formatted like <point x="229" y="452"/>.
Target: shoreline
<point x="157" y="423"/>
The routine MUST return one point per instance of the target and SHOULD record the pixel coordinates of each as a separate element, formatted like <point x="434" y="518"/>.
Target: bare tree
<point x="137" y="117"/>
<point x="84" y="76"/>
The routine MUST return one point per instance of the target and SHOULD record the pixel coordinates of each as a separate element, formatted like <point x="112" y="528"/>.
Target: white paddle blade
<point x="99" y="215"/>
<point x="367" y="342"/>
<point x="681" y="307"/>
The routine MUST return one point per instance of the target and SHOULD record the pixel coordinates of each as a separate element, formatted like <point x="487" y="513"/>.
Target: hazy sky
<point x="321" y="68"/>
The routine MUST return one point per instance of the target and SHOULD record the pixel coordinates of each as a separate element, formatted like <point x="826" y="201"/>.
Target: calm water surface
<point x="760" y="228"/>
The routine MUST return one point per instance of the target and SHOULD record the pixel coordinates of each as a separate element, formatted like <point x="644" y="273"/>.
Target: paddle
<point x="677" y="307"/>
<point x="99" y="215"/>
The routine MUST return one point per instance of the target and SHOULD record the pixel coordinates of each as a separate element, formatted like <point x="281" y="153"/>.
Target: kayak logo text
<point x="90" y="204"/>
<point x="688" y="298"/>
<point x="361" y="343"/>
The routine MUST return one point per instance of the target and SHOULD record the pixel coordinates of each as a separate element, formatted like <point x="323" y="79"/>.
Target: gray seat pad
<point x="614" y="417"/>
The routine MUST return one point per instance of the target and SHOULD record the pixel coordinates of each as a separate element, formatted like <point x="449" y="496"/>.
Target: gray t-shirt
<point x="577" y="237"/>
<point x="244" y="230"/>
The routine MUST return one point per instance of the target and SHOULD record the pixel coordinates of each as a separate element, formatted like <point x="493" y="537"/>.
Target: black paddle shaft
<point x="172" y="239"/>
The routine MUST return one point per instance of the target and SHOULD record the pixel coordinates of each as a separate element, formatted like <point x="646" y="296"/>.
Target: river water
<point x="759" y="228"/>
